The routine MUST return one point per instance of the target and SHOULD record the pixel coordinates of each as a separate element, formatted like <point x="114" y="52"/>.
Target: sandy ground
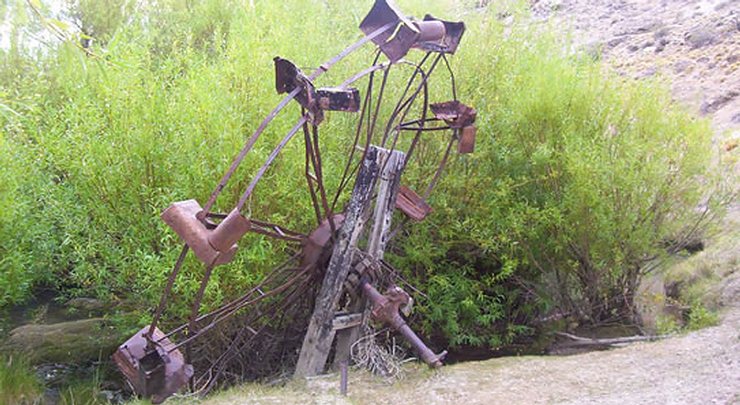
<point x="701" y="367"/>
<point x="695" y="46"/>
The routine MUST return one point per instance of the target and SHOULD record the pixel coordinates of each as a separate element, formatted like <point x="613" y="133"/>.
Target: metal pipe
<point x="386" y="310"/>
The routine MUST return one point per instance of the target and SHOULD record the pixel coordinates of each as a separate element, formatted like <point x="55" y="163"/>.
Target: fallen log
<point x="619" y="341"/>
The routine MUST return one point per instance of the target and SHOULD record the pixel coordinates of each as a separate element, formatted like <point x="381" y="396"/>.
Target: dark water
<point x="99" y="380"/>
<point x="545" y="343"/>
<point x="44" y="308"/>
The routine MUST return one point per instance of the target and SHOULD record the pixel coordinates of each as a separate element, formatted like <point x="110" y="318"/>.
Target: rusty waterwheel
<point x="267" y="323"/>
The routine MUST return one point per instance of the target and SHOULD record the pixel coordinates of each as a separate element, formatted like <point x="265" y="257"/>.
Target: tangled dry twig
<point x="381" y="359"/>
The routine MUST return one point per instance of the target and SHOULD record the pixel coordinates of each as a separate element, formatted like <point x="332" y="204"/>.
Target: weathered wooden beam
<point x="347" y="321"/>
<point x="320" y="334"/>
<point x="390" y="179"/>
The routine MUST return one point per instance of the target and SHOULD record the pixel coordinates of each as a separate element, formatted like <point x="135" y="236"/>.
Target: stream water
<point x="47" y="308"/>
<point x="98" y="379"/>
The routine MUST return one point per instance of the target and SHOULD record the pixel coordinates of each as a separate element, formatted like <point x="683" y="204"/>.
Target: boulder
<point x="86" y="304"/>
<point x="64" y="342"/>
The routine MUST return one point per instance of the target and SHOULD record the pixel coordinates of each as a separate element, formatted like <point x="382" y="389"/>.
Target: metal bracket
<point x="288" y="77"/>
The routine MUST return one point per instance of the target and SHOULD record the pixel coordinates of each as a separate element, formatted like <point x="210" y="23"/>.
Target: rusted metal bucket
<point x="152" y="366"/>
<point x="396" y="43"/>
<point x="453" y="32"/>
<point x="467" y="140"/>
<point x="288" y="77"/>
<point x="454" y="113"/>
<point x="412" y="204"/>
<point x="461" y="117"/>
<point x="211" y="246"/>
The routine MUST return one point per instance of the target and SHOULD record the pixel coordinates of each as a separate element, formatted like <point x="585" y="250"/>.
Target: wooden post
<point x="385" y="204"/>
<point x="320" y="333"/>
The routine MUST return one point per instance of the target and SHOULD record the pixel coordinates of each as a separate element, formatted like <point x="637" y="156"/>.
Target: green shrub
<point x="578" y="178"/>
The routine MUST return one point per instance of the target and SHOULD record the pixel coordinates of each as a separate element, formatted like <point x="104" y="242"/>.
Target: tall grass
<point x="577" y="179"/>
<point x="18" y="384"/>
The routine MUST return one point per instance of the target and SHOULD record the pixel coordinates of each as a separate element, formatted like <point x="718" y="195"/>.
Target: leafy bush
<point x="578" y="178"/>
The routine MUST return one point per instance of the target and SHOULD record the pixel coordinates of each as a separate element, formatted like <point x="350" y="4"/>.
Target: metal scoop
<point x="152" y="365"/>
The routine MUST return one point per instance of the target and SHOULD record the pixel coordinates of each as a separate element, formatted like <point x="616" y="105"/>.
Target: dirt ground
<point x="695" y="46"/>
<point x="701" y="367"/>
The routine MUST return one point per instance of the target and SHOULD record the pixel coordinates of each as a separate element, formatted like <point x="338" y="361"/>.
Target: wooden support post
<point x="320" y="333"/>
<point x="385" y="204"/>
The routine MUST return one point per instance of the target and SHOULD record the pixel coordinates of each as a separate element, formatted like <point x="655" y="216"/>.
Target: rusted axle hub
<point x="386" y="309"/>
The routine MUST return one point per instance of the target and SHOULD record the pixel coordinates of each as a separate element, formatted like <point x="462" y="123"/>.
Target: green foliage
<point x="577" y="179"/>
<point x="700" y="317"/>
<point x="83" y="392"/>
<point x="18" y="383"/>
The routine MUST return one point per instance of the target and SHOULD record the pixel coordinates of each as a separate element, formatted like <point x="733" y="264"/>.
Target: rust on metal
<point x="396" y="43"/>
<point x="314" y="249"/>
<point x="452" y="35"/>
<point x="150" y="359"/>
<point x="454" y="113"/>
<point x="412" y="204"/>
<point x="338" y="99"/>
<point x="386" y="309"/>
<point x="288" y="77"/>
<point x="467" y="139"/>
<point x="154" y="369"/>
<point x="181" y="217"/>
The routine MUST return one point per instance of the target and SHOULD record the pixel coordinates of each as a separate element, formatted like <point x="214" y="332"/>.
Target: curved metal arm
<point x="253" y="139"/>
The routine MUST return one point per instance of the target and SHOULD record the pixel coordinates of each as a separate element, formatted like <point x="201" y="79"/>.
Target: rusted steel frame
<point x="217" y="320"/>
<point x="422" y="129"/>
<point x="318" y="169"/>
<point x="282" y="267"/>
<point x="248" y="192"/>
<point x="194" y="313"/>
<point x="404" y="93"/>
<point x="423" y="120"/>
<point x="363" y="73"/>
<point x="238" y="341"/>
<point x="372" y="118"/>
<point x="310" y="177"/>
<point x="246" y="300"/>
<point x="408" y="103"/>
<point x="276" y="231"/>
<point x="327" y="65"/>
<point x="167" y="289"/>
<point x="386" y="311"/>
<point x="440" y="168"/>
<point x="266" y="228"/>
<point x="243" y="153"/>
<point x="419" y="125"/>
<point x="452" y="77"/>
<point x="345" y="173"/>
<point x="253" y="139"/>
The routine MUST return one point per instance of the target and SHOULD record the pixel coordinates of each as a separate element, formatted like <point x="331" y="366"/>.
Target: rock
<point x="682" y="66"/>
<point x="651" y="71"/>
<point x="708" y="107"/>
<point x="662" y="42"/>
<point x="86" y="304"/>
<point x="615" y="41"/>
<point x="700" y="37"/>
<point x="64" y="342"/>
